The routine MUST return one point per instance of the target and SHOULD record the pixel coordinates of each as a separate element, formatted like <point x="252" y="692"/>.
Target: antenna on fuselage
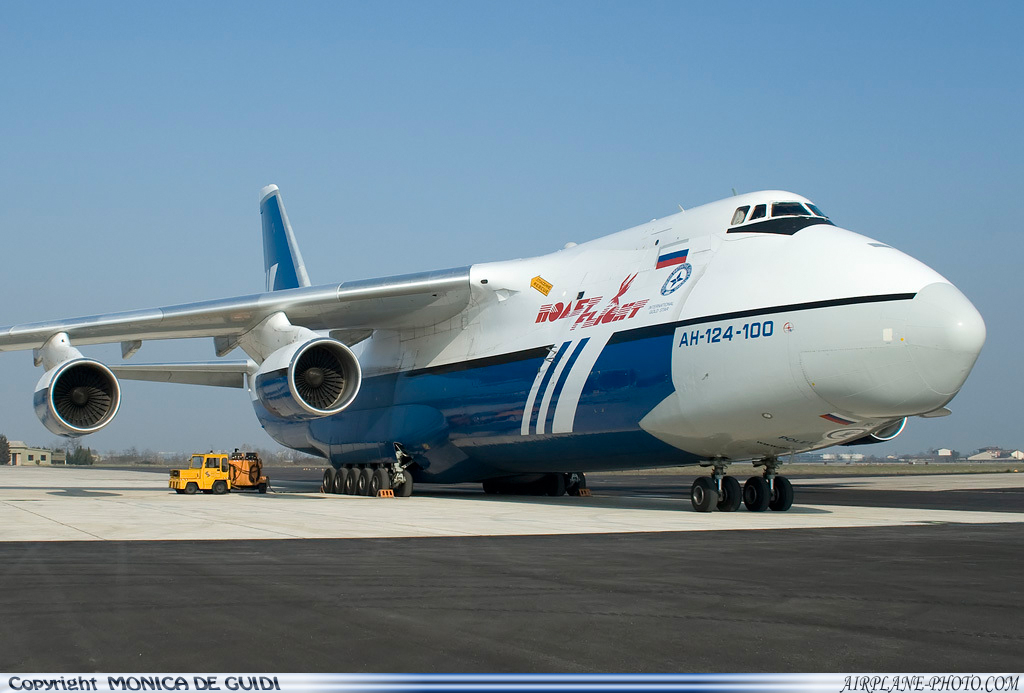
<point x="734" y="193"/>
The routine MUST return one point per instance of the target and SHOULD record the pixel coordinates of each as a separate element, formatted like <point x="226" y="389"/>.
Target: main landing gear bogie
<point x="367" y="480"/>
<point x="758" y="494"/>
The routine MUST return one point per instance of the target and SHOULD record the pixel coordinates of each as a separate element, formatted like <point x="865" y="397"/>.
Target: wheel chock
<point x="585" y="493"/>
<point x="385" y="493"/>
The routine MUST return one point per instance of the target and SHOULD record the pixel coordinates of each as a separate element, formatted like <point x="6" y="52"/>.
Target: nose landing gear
<point x="769" y="491"/>
<point x="717" y="491"/>
<point x="759" y="493"/>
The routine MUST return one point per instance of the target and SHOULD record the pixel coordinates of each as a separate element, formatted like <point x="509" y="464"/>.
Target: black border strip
<point x="500" y="359"/>
<point x="666" y="328"/>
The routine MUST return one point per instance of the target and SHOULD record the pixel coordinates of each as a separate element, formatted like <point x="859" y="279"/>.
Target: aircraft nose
<point x="945" y="334"/>
<point x="902" y="359"/>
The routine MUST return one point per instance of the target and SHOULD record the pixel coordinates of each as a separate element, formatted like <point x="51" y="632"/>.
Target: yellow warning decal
<point x="542" y="285"/>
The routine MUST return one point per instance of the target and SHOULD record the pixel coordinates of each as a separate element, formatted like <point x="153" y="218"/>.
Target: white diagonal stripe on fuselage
<point x="524" y="429"/>
<point x="542" y="414"/>
<point x="565" y="410"/>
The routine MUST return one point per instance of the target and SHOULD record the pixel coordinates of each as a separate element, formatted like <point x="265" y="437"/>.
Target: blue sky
<point x="414" y="136"/>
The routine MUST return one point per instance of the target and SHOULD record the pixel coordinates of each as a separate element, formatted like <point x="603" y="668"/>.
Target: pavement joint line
<point x="50" y="519"/>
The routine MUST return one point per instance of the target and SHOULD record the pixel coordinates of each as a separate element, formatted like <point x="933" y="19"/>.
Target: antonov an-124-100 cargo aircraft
<point x="743" y="330"/>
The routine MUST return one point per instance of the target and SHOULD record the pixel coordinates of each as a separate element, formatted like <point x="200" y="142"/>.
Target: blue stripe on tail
<point x="281" y="258"/>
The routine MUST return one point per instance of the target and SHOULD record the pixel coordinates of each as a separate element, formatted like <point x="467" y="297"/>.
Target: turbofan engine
<point x="882" y="435"/>
<point x="309" y="380"/>
<point x="77" y="397"/>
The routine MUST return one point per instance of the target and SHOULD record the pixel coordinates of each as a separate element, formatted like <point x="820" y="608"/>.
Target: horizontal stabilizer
<point x="213" y="373"/>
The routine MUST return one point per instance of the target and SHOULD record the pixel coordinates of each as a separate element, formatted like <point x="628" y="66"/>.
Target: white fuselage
<point x="779" y="343"/>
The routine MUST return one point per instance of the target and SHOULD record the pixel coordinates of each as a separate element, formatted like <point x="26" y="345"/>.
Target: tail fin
<point x="281" y="256"/>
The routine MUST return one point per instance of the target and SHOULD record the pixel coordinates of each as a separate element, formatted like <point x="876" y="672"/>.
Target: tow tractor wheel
<point x="363" y="482"/>
<point x="756" y="494"/>
<point x="262" y="488"/>
<point x="328" y="485"/>
<point x="404" y="489"/>
<point x="191" y="487"/>
<point x="379" y="480"/>
<point x="351" y="476"/>
<point x="340" y="477"/>
<point x="782" y="495"/>
<point x="220" y="487"/>
<point x="703" y="494"/>
<point x="575" y="482"/>
<point x="732" y="495"/>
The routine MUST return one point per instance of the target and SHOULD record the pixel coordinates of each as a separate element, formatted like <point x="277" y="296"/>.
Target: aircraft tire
<point x="340" y="477"/>
<point x="555" y="484"/>
<point x="191" y="487"/>
<point x="328" y="485"/>
<point x="363" y="482"/>
<point x="404" y="490"/>
<point x="782" y="496"/>
<point x="491" y="486"/>
<point x="703" y="495"/>
<point x="732" y="495"/>
<point x="756" y="494"/>
<point x="379" y="480"/>
<point x="351" y="477"/>
<point x="575" y="482"/>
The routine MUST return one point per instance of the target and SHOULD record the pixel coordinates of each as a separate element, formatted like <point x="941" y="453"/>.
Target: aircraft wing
<point x="354" y="309"/>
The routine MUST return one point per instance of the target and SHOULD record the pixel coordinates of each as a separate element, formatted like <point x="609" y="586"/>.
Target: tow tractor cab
<point x="216" y="472"/>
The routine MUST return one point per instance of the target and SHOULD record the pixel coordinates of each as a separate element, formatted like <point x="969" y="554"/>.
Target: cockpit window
<point x="739" y="215"/>
<point x="787" y="218"/>
<point x="789" y="209"/>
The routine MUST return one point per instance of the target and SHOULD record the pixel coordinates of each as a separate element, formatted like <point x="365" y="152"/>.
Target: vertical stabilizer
<point x="281" y="256"/>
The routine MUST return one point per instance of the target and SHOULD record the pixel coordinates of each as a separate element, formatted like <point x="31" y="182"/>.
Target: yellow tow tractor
<point x="217" y="472"/>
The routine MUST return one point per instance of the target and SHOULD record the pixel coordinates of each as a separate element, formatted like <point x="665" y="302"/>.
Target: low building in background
<point x="842" y="457"/>
<point x="23" y="455"/>
<point x="994" y="454"/>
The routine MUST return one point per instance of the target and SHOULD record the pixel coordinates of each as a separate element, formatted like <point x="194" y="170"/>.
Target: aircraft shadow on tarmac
<point x="82" y="493"/>
<point x="667" y="502"/>
<point x="671" y="494"/>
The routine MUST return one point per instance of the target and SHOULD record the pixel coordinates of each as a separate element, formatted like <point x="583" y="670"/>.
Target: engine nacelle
<point x="882" y="435"/>
<point x="309" y="380"/>
<point x="77" y="397"/>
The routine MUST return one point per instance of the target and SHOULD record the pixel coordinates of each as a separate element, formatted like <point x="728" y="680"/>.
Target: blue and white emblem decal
<point x="676" y="279"/>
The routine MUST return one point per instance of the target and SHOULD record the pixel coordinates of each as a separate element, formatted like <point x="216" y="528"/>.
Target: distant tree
<point x="79" y="455"/>
<point x="5" y="450"/>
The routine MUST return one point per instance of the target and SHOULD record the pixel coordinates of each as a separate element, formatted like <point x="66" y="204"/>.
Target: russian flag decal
<point x="672" y="255"/>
